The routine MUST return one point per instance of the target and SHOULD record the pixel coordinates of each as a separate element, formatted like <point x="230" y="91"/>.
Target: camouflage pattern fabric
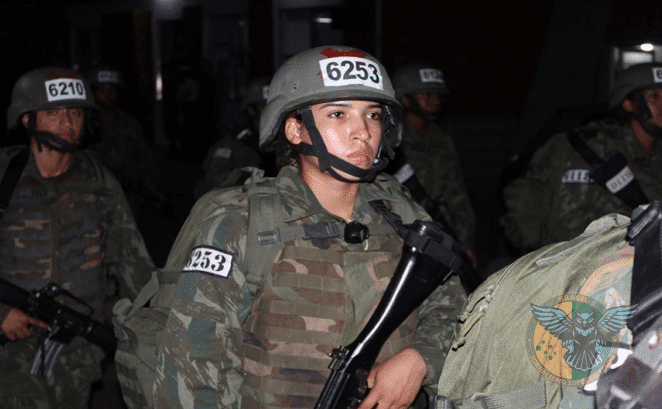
<point x="437" y="165"/>
<point x="226" y="155"/>
<point x="489" y="352"/>
<point x="75" y="230"/>
<point x="217" y="335"/>
<point x="123" y="148"/>
<point x="555" y="200"/>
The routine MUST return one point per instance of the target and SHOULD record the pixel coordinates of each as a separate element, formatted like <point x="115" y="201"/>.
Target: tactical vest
<point x="318" y="296"/>
<point x="53" y="231"/>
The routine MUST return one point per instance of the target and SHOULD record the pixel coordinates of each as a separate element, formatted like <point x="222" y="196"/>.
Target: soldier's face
<point x="653" y="98"/>
<point x="351" y="130"/>
<point x="67" y="123"/>
<point x="430" y="104"/>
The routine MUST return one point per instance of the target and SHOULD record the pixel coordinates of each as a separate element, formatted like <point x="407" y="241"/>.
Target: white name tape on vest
<point x="580" y="176"/>
<point x="209" y="260"/>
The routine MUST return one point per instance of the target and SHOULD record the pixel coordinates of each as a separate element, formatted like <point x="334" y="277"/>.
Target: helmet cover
<point x="326" y="74"/>
<point x="419" y="79"/>
<point x="48" y="88"/>
<point x="635" y="78"/>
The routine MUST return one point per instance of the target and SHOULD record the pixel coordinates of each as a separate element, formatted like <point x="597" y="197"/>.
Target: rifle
<point x="428" y="260"/>
<point x="65" y="322"/>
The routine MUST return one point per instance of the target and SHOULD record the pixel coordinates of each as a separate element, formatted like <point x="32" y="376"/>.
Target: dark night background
<point x="511" y="66"/>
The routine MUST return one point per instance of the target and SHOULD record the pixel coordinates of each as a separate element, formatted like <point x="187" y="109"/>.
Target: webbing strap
<point x="529" y="397"/>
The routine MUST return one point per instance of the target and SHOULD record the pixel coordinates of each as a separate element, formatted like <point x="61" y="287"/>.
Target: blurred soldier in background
<point x="121" y="143"/>
<point x="240" y="149"/>
<point x="65" y="221"/>
<point x="609" y="165"/>
<point x="427" y="162"/>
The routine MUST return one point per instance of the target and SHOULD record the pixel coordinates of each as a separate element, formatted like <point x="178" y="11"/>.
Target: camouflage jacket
<point x="556" y="199"/>
<point x="500" y="348"/>
<point x="75" y="230"/>
<point x="437" y="165"/>
<point x="202" y="358"/>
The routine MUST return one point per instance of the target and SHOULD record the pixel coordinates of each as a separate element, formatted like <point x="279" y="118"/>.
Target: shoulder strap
<point x="613" y="174"/>
<point x="11" y="177"/>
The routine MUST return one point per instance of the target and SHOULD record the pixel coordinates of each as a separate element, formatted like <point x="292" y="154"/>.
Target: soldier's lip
<point x="361" y="157"/>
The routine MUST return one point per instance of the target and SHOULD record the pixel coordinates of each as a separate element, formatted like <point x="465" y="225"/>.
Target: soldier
<point x="66" y="221"/>
<point x="121" y="142"/>
<point x="429" y="155"/>
<point x="234" y="340"/>
<point x="608" y="165"/>
<point x="241" y="148"/>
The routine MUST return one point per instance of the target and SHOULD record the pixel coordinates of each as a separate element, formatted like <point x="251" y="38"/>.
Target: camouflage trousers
<point x="69" y="387"/>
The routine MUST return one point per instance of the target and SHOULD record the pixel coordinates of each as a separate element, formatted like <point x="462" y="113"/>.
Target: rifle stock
<point x="427" y="261"/>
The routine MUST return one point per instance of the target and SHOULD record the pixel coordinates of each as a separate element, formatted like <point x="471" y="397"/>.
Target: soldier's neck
<point x="50" y="163"/>
<point x="648" y="142"/>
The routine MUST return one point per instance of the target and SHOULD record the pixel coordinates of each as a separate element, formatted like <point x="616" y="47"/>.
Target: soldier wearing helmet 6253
<point x="427" y="162"/>
<point x="610" y="165"/>
<point x="64" y="221"/>
<point x="333" y="118"/>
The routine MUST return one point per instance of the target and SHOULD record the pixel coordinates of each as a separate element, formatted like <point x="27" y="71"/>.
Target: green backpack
<point x="139" y="325"/>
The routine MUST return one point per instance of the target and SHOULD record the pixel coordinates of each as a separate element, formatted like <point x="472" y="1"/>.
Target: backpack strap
<point x="614" y="174"/>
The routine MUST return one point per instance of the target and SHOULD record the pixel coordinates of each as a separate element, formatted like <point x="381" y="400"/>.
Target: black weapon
<point x="428" y="260"/>
<point x="65" y="322"/>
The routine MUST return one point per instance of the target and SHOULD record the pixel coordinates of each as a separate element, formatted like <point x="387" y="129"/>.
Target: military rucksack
<point x="139" y="325"/>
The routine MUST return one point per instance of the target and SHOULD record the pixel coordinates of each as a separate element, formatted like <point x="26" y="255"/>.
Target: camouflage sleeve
<point x="200" y="358"/>
<point x="456" y="205"/>
<point x="528" y="201"/>
<point x="437" y="318"/>
<point x="127" y="256"/>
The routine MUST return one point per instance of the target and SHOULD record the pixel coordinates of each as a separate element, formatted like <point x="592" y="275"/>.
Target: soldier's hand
<point x="17" y="325"/>
<point x="396" y="382"/>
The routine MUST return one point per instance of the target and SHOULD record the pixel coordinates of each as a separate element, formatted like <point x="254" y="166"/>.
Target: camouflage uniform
<point x="75" y="230"/>
<point x="489" y="353"/>
<point x="224" y="348"/>
<point x="556" y="200"/>
<point x="123" y="148"/>
<point x="436" y="164"/>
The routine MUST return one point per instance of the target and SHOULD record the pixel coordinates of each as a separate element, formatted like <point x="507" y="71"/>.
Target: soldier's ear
<point x="24" y="120"/>
<point x="293" y="130"/>
<point x="405" y="101"/>
<point x="629" y="106"/>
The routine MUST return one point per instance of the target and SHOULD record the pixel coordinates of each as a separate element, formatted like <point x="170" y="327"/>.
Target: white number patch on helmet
<point x="109" y="76"/>
<point x="209" y="260"/>
<point x="65" y="89"/>
<point x="341" y="71"/>
<point x="431" y="75"/>
<point x="657" y="74"/>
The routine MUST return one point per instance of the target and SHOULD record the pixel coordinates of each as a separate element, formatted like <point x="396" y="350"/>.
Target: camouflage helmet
<point x="325" y="74"/>
<point x="48" y="88"/>
<point x="419" y="79"/>
<point x="255" y="92"/>
<point x="105" y="75"/>
<point x="635" y="78"/>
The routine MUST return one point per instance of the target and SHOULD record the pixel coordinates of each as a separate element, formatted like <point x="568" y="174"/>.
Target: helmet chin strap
<point x="644" y="117"/>
<point x="327" y="161"/>
<point x="51" y="141"/>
